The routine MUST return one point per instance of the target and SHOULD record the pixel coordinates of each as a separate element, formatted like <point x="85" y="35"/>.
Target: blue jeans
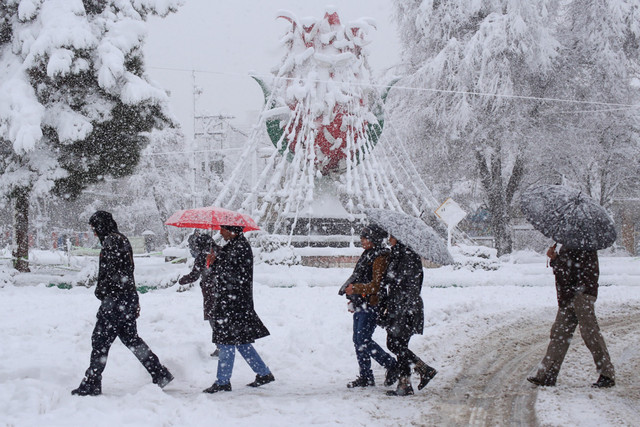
<point x="364" y="323"/>
<point x="227" y="358"/>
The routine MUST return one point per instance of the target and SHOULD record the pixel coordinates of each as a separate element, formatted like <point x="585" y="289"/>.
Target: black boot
<point x="392" y="375"/>
<point x="545" y="379"/>
<point x="604" y="382"/>
<point x="262" y="380"/>
<point x="217" y="387"/>
<point x="362" y="382"/>
<point x="404" y="388"/>
<point x="426" y="374"/>
<point x="90" y="386"/>
<point x="163" y="378"/>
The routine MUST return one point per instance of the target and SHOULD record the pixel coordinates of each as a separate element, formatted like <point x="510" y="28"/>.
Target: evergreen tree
<point x="74" y="100"/>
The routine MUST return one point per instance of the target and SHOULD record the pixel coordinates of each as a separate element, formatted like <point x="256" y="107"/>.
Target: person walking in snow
<point x="362" y="290"/>
<point x="403" y="316"/>
<point x="119" y="309"/>
<point x="200" y="247"/>
<point x="576" y="272"/>
<point x="233" y="319"/>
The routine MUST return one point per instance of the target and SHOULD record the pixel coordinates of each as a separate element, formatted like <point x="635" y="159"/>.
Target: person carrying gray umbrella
<point x="403" y="309"/>
<point x="404" y="316"/>
<point x="583" y="227"/>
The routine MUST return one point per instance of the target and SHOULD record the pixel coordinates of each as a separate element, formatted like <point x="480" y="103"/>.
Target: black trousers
<point x="118" y="320"/>
<point x="398" y="343"/>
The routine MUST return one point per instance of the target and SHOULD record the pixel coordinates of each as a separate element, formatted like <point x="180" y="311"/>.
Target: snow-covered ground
<point x="485" y="330"/>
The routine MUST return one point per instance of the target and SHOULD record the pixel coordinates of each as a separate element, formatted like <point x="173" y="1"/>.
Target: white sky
<point x="224" y="41"/>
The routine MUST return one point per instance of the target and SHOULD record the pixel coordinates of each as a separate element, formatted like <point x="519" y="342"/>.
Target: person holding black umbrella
<point x="582" y="226"/>
<point x="576" y="273"/>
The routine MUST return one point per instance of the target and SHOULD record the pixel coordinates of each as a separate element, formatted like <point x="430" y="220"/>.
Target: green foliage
<point x="113" y="148"/>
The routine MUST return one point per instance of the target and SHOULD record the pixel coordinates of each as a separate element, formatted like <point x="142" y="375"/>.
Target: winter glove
<point x="350" y="307"/>
<point x="383" y="319"/>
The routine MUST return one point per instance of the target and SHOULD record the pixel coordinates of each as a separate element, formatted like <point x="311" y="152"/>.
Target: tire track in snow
<point x="492" y="389"/>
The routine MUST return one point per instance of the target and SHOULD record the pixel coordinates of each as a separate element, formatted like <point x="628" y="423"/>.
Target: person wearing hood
<point x="403" y="316"/>
<point x="119" y="309"/>
<point x="200" y="247"/>
<point x="233" y="319"/>
<point x="363" y="292"/>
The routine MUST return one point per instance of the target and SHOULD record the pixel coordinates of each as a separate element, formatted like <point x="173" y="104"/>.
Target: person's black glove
<point x="383" y="319"/>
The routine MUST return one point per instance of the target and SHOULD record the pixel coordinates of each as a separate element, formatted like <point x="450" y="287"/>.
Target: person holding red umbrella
<point x="233" y="319"/>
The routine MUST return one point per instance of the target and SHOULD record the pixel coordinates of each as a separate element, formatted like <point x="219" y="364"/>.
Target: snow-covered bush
<point x="475" y="257"/>
<point x="274" y="250"/>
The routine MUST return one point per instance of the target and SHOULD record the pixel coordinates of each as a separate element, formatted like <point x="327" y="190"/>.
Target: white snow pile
<point x="46" y="341"/>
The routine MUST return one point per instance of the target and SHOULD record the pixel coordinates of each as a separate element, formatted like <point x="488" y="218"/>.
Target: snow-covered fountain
<point x="324" y="115"/>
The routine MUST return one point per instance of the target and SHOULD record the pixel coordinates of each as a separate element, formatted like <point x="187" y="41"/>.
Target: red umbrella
<point x="211" y="218"/>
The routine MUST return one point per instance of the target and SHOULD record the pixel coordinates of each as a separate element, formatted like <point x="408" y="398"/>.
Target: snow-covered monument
<point x="333" y="153"/>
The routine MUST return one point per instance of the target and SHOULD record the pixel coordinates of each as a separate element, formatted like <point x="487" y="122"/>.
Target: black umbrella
<point x="414" y="233"/>
<point x="568" y="216"/>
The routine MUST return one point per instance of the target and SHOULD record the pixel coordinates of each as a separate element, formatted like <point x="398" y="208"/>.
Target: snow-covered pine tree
<point x="74" y="99"/>
<point x="470" y="58"/>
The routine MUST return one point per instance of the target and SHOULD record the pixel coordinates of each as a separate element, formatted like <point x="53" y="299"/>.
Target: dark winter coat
<point x="404" y="309"/>
<point x="575" y="271"/>
<point x="201" y="247"/>
<point x="367" y="277"/>
<point x="234" y="320"/>
<point x="115" y="270"/>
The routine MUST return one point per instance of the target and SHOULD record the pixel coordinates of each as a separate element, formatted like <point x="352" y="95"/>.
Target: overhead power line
<point x="417" y="89"/>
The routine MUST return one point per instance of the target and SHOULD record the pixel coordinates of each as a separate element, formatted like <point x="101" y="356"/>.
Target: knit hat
<point x="374" y="233"/>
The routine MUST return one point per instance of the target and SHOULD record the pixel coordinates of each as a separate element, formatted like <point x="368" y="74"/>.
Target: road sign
<point x="451" y="213"/>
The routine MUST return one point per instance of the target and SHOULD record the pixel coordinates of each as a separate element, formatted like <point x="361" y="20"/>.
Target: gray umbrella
<point x="568" y="216"/>
<point x="414" y="233"/>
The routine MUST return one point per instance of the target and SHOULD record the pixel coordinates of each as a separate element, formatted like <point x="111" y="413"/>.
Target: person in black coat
<point x="200" y="246"/>
<point x="234" y="321"/>
<point x="119" y="308"/>
<point x="403" y="316"/>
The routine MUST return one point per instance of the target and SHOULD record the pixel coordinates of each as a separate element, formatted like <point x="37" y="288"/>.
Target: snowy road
<point x="492" y="388"/>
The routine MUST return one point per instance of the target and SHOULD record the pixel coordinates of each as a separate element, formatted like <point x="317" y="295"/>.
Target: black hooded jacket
<point x="201" y="247"/>
<point x="403" y="281"/>
<point x="234" y="319"/>
<point x="115" y="271"/>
